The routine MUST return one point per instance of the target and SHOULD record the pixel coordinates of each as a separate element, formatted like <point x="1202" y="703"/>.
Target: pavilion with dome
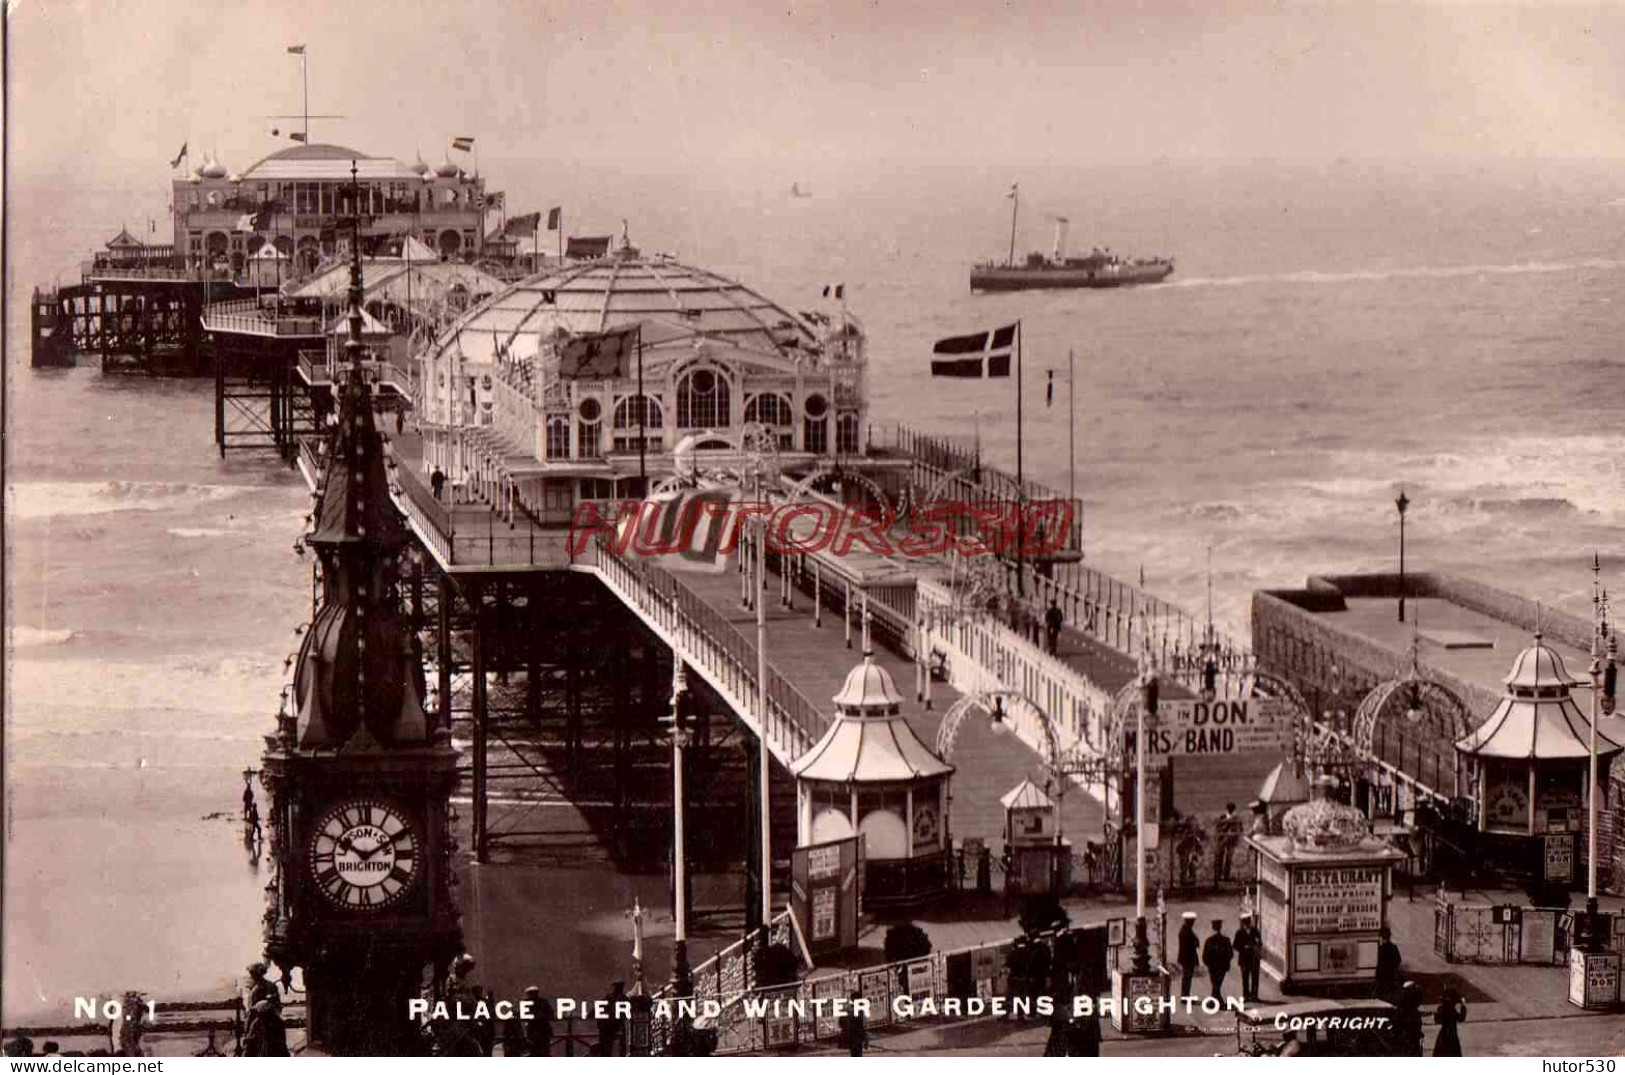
<point x="693" y="358"/>
<point x="871" y="776"/>
<point x="1531" y="759"/>
<point x="299" y="199"/>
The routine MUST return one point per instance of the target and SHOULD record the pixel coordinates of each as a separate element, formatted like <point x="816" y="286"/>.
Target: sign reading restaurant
<point x="1337" y="899"/>
<point x="1221" y="726"/>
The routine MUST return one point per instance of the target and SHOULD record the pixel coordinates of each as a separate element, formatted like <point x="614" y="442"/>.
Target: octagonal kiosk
<point x="1040" y="858"/>
<point x="871" y="776"/>
<point x="1323" y="890"/>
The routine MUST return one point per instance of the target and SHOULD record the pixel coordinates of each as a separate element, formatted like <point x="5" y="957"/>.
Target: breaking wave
<point x="44" y="500"/>
<point x="40" y="636"/>
<point x="197" y="531"/>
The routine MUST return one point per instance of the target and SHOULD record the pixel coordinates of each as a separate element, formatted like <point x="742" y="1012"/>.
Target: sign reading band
<point x="1221" y="726"/>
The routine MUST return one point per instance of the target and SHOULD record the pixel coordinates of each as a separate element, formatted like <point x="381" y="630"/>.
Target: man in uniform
<point x="1249" y="946"/>
<point x="1388" y="963"/>
<point x="1190" y="952"/>
<point x="1216" y="957"/>
<point x="1052" y="625"/>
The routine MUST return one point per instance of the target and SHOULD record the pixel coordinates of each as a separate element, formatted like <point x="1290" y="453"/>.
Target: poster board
<point x="1539" y="940"/>
<point x="824" y="894"/>
<point x="1559" y="857"/>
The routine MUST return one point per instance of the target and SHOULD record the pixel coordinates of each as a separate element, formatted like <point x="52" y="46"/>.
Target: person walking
<point x="265" y="1034"/>
<point x="854" y="1028"/>
<point x="1249" y="946"/>
<point x="1451" y="1012"/>
<point x="1190" y="952"/>
<point x="1052" y="626"/>
<point x="1227" y="829"/>
<point x="437" y="482"/>
<point x="539" y="1023"/>
<point x="1216" y="956"/>
<point x="1407" y="1023"/>
<point x="1388" y="963"/>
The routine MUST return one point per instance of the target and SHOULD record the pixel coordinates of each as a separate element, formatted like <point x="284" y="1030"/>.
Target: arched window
<point x="632" y="411"/>
<point x="702" y="400"/>
<point x="588" y="445"/>
<point x="769" y="408"/>
<point x="815" y="427"/>
<point x="846" y="434"/>
<point x="558" y="438"/>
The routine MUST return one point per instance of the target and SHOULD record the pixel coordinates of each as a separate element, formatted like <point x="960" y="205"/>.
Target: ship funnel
<point x="1061" y="224"/>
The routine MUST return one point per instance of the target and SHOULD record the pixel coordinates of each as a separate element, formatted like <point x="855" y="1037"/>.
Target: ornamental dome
<point x="446" y="169"/>
<point x="213" y="169"/>
<point x="420" y="168"/>
<point x="1539" y="666"/>
<point x="678" y="305"/>
<point x="869" y="691"/>
<point x="1324" y="825"/>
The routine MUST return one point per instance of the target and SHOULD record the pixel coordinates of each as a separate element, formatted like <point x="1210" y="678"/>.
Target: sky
<point x="112" y="86"/>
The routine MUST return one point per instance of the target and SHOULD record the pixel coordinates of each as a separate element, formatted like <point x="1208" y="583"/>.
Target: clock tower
<point x="359" y="779"/>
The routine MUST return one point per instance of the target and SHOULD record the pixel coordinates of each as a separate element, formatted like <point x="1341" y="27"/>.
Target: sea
<point x="1333" y="334"/>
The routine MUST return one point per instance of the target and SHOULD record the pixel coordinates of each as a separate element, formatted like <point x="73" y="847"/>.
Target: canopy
<point x="1026" y="796"/>
<point x="1284" y="784"/>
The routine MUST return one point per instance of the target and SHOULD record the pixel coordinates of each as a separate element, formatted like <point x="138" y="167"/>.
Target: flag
<point x="597" y="355"/>
<point x="297" y="136"/>
<point x="1049" y="389"/>
<point x="687" y="530"/>
<point x="496" y="202"/>
<point x="555" y="216"/>
<point x="550" y="297"/>
<point x="245" y="222"/>
<point x="835" y="291"/>
<point x="179" y="156"/>
<point x="462" y="143"/>
<point x="521" y="225"/>
<point x="967" y="354"/>
<point x="1013" y="189"/>
<point x="296" y="50"/>
<point x="267" y="211"/>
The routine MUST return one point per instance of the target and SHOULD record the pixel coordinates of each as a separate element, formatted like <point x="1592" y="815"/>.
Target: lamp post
<point x="681" y="975"/>
<point x="1403" y="503"/>
<point x="1149" y="689"/>
<point x="1599" y="705"/>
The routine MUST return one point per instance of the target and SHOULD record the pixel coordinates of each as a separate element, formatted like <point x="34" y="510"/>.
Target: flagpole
<point x="561" y="235"/>
<point x="304" y="71"/>
<point x="643" y="435"/>
<point x="1072" y="441"/>
<point x="1021" y="472"/>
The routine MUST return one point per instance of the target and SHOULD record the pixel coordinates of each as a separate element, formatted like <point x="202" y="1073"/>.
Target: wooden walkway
<point x="816" y="660"/>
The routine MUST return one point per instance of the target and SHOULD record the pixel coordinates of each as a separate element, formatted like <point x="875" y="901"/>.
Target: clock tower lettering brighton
<point x="359" y="777"/>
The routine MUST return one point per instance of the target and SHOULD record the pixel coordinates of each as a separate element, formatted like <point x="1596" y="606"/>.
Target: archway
<point x="1412" y="724"/>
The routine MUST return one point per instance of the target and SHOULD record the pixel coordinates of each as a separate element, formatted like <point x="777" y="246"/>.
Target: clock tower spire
<point x="361" y="897"/>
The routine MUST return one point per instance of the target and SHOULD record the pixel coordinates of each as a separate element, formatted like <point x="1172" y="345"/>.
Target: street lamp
<point x="682" y="981"/>
<point x="1602" y="702"/>
<point x="1149" y="691"/>
<point x="1402" y="502"/>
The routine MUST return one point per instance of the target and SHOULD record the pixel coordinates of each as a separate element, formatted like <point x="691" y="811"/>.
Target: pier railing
<point x="717" y="650"/>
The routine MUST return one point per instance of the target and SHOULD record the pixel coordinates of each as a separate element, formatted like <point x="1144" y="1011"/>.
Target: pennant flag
<point x="298" y="136"/>
<point x="835" y="291"/>
<point x="521" y="225"/>
<point x="968" y="354"/>
<point x="597" y="355"/>
<point x="462" y="144"/>
<point x="691" y="530"/>
<point x="179" y="156"/>
<point x="1049" y="389"/>
<point x="296" y="50"/>
<point x="1013" y="188"/>
<point x="555" y="216"/>
<point x="496" y="202"/>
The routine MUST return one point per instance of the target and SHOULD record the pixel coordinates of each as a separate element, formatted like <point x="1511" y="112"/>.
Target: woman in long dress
<point x="265" y="1034"/>
<point x="1451" y="1012"/>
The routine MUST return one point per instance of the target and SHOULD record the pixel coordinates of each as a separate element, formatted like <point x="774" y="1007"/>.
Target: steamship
<point x="1100" y="268"/>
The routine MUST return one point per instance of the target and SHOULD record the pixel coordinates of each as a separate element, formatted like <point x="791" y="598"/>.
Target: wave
<point x="1523" y="505"/>
<point x="40" y="636"/>
<point x="45" y="500"/>
<point x="1435" y="272"/>
<point x="197" y="531"/>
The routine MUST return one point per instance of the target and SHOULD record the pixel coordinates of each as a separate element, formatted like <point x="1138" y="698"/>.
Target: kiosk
<point x="1040" y="858"/>
<point x="1323" y="890"/>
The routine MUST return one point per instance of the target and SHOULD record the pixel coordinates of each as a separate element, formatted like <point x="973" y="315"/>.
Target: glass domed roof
<point x="672" y="300"/>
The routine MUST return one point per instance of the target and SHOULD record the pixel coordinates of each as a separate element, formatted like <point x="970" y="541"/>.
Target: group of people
<point x="1218" y="952"/>
<point x="1026" y="623"/>
<point x="529" y="1034"/>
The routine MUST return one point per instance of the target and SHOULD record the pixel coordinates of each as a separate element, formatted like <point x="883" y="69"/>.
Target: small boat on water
<point x="797" y="192"/>
<point x="1100" y="268"/>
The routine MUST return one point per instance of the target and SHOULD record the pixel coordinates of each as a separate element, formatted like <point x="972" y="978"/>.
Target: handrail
<point x="792" y="723"/>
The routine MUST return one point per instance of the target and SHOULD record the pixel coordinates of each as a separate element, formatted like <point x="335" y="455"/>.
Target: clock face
<point x="364" y="856"/>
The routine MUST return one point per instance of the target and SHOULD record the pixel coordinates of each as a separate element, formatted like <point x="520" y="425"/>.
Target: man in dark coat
<point x="1407" y="1026"/>
<point x="1388" y="963"/>
<point x="1249" y="946"/>
<point x="539" y="1027"/>
<point x="854" y="1028"/>
<point x="1216" y="956"/>
<point x="1086" y="1034"/>
<point x="1052" y="625"/>
<point x="1190" y="953"/>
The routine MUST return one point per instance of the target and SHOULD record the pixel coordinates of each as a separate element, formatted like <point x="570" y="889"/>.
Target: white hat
<point x="1189" y="916"/>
